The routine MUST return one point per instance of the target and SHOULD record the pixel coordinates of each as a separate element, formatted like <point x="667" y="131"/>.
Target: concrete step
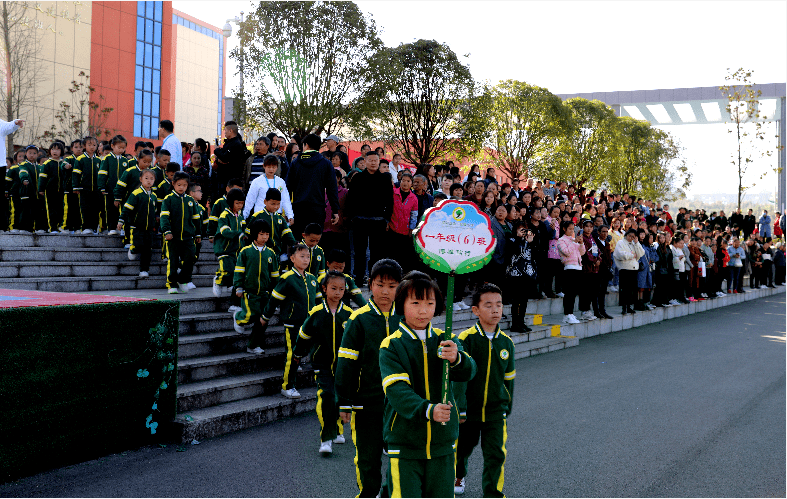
<point x="230" y="364"/>
<point x="84" y="284"/>
<point x="546" y="345"/>
<point x="221" y="419"/>
<point x="66" y="254"/>
<point x="59" y="240"/>
<point x="203" y="394"/>
<point x="10" y="270"/>
<point x="225" y="342"/>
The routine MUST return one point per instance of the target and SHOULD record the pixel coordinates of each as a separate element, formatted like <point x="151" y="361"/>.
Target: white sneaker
<point x="122" y="232"/>
<point x="667" y="304"/>
<point x="13" y="231"/>
<point x="588" y="316"/>
<point x="561" y="295"/>
<point x="216" y="289"/>
<point x="459" y="486"/>
<point x="233" y="309"/>
<point x="720" y="294"/>
<point x="190" y="285"/>
<point x="674" y="302"/>
<point x="326" y="447"/>
<point x="458" y="307"/>
<point x="132" y="256"/>
<point x="172" y="291"/>
<point x="763" y="286"/>
<point x="183" y="288"/>
<point x="239" y="328"/>
<point x="144" y="274"/>
<point x="570" y="319"/>
<point x="255" y="350"/>
<point x="292" y="393"/>
<point x="704" y="295"/>
<point x="614" y="289"/>
<point x="465" y="305"/>
<point x="64" y="231"/>
<point x="127" y="246"/>
<point x="650" y="306"/>
<point x="112" y="233"/>
<point x="339" y="439"/>
<point x="87" y="231"/>
<point x="40" y="231"/>
<point x="227" y="291"/>
<point x="300" y="369"/>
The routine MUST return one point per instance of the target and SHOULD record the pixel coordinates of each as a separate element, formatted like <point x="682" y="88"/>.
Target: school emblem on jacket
<point x="279" y="221"/>
<point x="269" y="260"/>
<point x="191" y="204"/>
<point x="125" y="164"/>
<point x="504" y="354"/>
<point x="319" y="258"/>
<point x="344" y="324"/>
<point x="314" y="284"/>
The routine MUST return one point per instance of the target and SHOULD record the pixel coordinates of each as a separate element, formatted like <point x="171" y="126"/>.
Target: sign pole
<point x="449" y="312"/>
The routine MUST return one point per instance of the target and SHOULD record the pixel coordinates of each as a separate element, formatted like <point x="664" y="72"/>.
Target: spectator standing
<point x="749" y="222"/>
<point x="258" y="191"/>
<point x="765" y="224"/>
<point x="627" y="254"/>
<point x="254" y="164"/>
<point x="591" y="261"/>
<point x="779" y="263"/>
<point x="310" y="177"/>
<point x="332" y="143"/>
<point x="171" y="143"/>
<point x="777" y="226"/>
<point x="571" y="248"/>
<point x="231" y="158"/>
<point x="336" y="236"/>
<point x="403" y="220"/>
<point x="737" y="259"/>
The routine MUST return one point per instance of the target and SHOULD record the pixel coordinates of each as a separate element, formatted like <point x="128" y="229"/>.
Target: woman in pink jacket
<point x="403" y="220"/>
<point x="571" y="248"/>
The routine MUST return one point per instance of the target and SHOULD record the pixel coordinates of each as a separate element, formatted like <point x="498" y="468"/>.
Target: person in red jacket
<point x="403" y="221"/>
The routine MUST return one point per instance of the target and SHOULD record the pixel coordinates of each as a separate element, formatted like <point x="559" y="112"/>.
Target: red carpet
<point x="16" y="298"/>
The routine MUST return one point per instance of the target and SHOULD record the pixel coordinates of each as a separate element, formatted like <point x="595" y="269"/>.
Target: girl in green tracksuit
<point x="322" y="333"/>
<point x="421" y="448"/>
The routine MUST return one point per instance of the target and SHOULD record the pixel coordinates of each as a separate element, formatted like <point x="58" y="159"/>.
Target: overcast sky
<point x="571" y="47"/>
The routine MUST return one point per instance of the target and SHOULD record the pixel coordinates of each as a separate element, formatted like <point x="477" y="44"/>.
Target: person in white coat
<point x="627" y="253"/>
<point x="255" y="199"/>
<point x="6" y="128"/>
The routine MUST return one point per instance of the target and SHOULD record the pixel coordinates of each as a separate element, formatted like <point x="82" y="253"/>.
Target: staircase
<point x="221" y="388"/>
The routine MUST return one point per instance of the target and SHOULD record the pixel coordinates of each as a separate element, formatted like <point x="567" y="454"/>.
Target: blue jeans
<point x="734" y="281"/>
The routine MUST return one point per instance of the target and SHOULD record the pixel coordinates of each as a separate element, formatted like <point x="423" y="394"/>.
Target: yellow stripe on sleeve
<point x="393" y="378"/>
<point x="348" y="353"/>
<point x="510" y="376"/>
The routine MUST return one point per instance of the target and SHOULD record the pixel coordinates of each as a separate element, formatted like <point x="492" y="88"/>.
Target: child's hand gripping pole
<point x="447" y="335"/>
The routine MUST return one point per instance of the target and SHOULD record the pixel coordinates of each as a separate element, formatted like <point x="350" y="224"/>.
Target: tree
<point x="86" y="114"/>
<point x="21" y="67"/>
<point x="743" y="108"/>
<point x="425" y="105"/>
<point x="523" y="120"/>
<point x="304" y="62"/>
<point x="588" y="146"/>
<point x="649" y="162"/>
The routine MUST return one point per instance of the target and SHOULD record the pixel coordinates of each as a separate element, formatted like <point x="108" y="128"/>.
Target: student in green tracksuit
<point x="129" y="179"/>
<point x="195" y="191"/>
<point x="296" y="292"/>
<point x="335" y="260"/>
<point x="164" y="188"/>
<point x="421" y="449"/>
<point x="485" y="402"/>
<point x="220" y="205"/>
<point x="26" y="188"/>
<point x="50" y="188"/>
<point x="226" y="243"/>
<point x="358" y="383"/>
<point x="281" y="234"/>
<point x="112" y="167"/>
<point x="256" y="272"/>
<point x="180" y="228"/>
<point x="85" y="182"/>
<point x="322" y="334"/>
<point x="139" y="215"/>
<point x="72" y="216"/>
<point x="311" y="238"/>
<point x="12" y="188"/>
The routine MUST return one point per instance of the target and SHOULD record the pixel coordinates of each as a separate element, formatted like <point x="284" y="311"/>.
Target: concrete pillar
<point x="782" y="177"/>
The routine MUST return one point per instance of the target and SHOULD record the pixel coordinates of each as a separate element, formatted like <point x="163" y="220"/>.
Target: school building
<point x="147" y="61"/>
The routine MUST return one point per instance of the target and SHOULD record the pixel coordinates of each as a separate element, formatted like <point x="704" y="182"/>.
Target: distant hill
<point x="728" y="202"/>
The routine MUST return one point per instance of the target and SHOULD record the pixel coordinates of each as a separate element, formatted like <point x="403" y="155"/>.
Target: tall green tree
<point x="424" y="104"/>
<point x="524" y="122"/>
<point x="588" y="146"/>
<point x="304" y="63"/>
<point x="743" y="108"/>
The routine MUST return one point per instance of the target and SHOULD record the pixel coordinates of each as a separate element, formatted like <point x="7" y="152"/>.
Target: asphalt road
<point x="692" y="407"/>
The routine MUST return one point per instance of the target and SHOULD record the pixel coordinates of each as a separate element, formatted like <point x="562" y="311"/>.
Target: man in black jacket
<point x="369" y="207"/>
<point x="749" y="221"/>
<point x="309" y="178"/>
<point x="231" y="159"/>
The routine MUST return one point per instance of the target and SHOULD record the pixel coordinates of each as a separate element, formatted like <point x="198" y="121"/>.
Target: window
<point x="147" y="76"/>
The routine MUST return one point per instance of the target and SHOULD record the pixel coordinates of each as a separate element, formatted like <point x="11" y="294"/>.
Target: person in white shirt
<point x="255" y="199"/>
<point x="171" y="143"/>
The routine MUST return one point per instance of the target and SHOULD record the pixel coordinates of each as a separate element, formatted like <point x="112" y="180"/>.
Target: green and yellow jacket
<point x="316" y="260"/>
<point x="358" y="381"/>
<point x="256" y="270"/>
<point x="203" y="219"/>
<point x="85" y="173"/>
<point x="490" y="395"/>
<point x="140" y="210"/>
<point x="295" y="294"/>
<point x="27" y="172"/>
<point x="230" y="232"/>
<point x="66" y="173"/>
<point x="412" y="379"/>
<point x="163" y="189"/>
<point x="112" y="167"/>
<point x="12" y="180"/>
<point x="281" y="235"/>
<point x="322" y="332"/>
<point x="49" y="177"/>
<point x="217" y="209"/>
<point x="179" y="217"/>
<point x="351" y="290"/>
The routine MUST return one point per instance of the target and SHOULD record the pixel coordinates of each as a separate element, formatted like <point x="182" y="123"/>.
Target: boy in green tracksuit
<point x="220" y="205"/>
<point x="335" y="260"/>
<point x="226" y="243"/>
<point x="112" y="167"/>
<point x="281" y="234"/>
<point x="72" y="217"/>
<point x="85" y="182"/>
<point x="164" y="188"/>
<point x="256" y="271"/>
<point x="50" y="187"/>
<point x="195" y="191"/>
<point x="485" y="402"/>
<point x="358" y="383"/>
<point x="129" y="179"/>
<point x="25" y="180"/>
<point x="312" y="234"/>
<point x="180" y="227"/>
<point x="296" y="292"/>
<point x="421" y="449"/>
<point x="322" y="334"/>
<point x="139" y="215"/>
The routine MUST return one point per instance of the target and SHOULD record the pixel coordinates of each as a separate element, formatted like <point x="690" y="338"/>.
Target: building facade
<point x="145" y="60"/>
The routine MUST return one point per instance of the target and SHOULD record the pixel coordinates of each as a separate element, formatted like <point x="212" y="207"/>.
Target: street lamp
<point x="227" y="31"/>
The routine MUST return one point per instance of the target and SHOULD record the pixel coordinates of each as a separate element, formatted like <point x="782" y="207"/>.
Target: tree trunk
<point x="9" y="107"/>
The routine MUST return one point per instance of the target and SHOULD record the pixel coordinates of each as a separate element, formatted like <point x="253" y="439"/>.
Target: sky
<point x="573" y="47"/>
